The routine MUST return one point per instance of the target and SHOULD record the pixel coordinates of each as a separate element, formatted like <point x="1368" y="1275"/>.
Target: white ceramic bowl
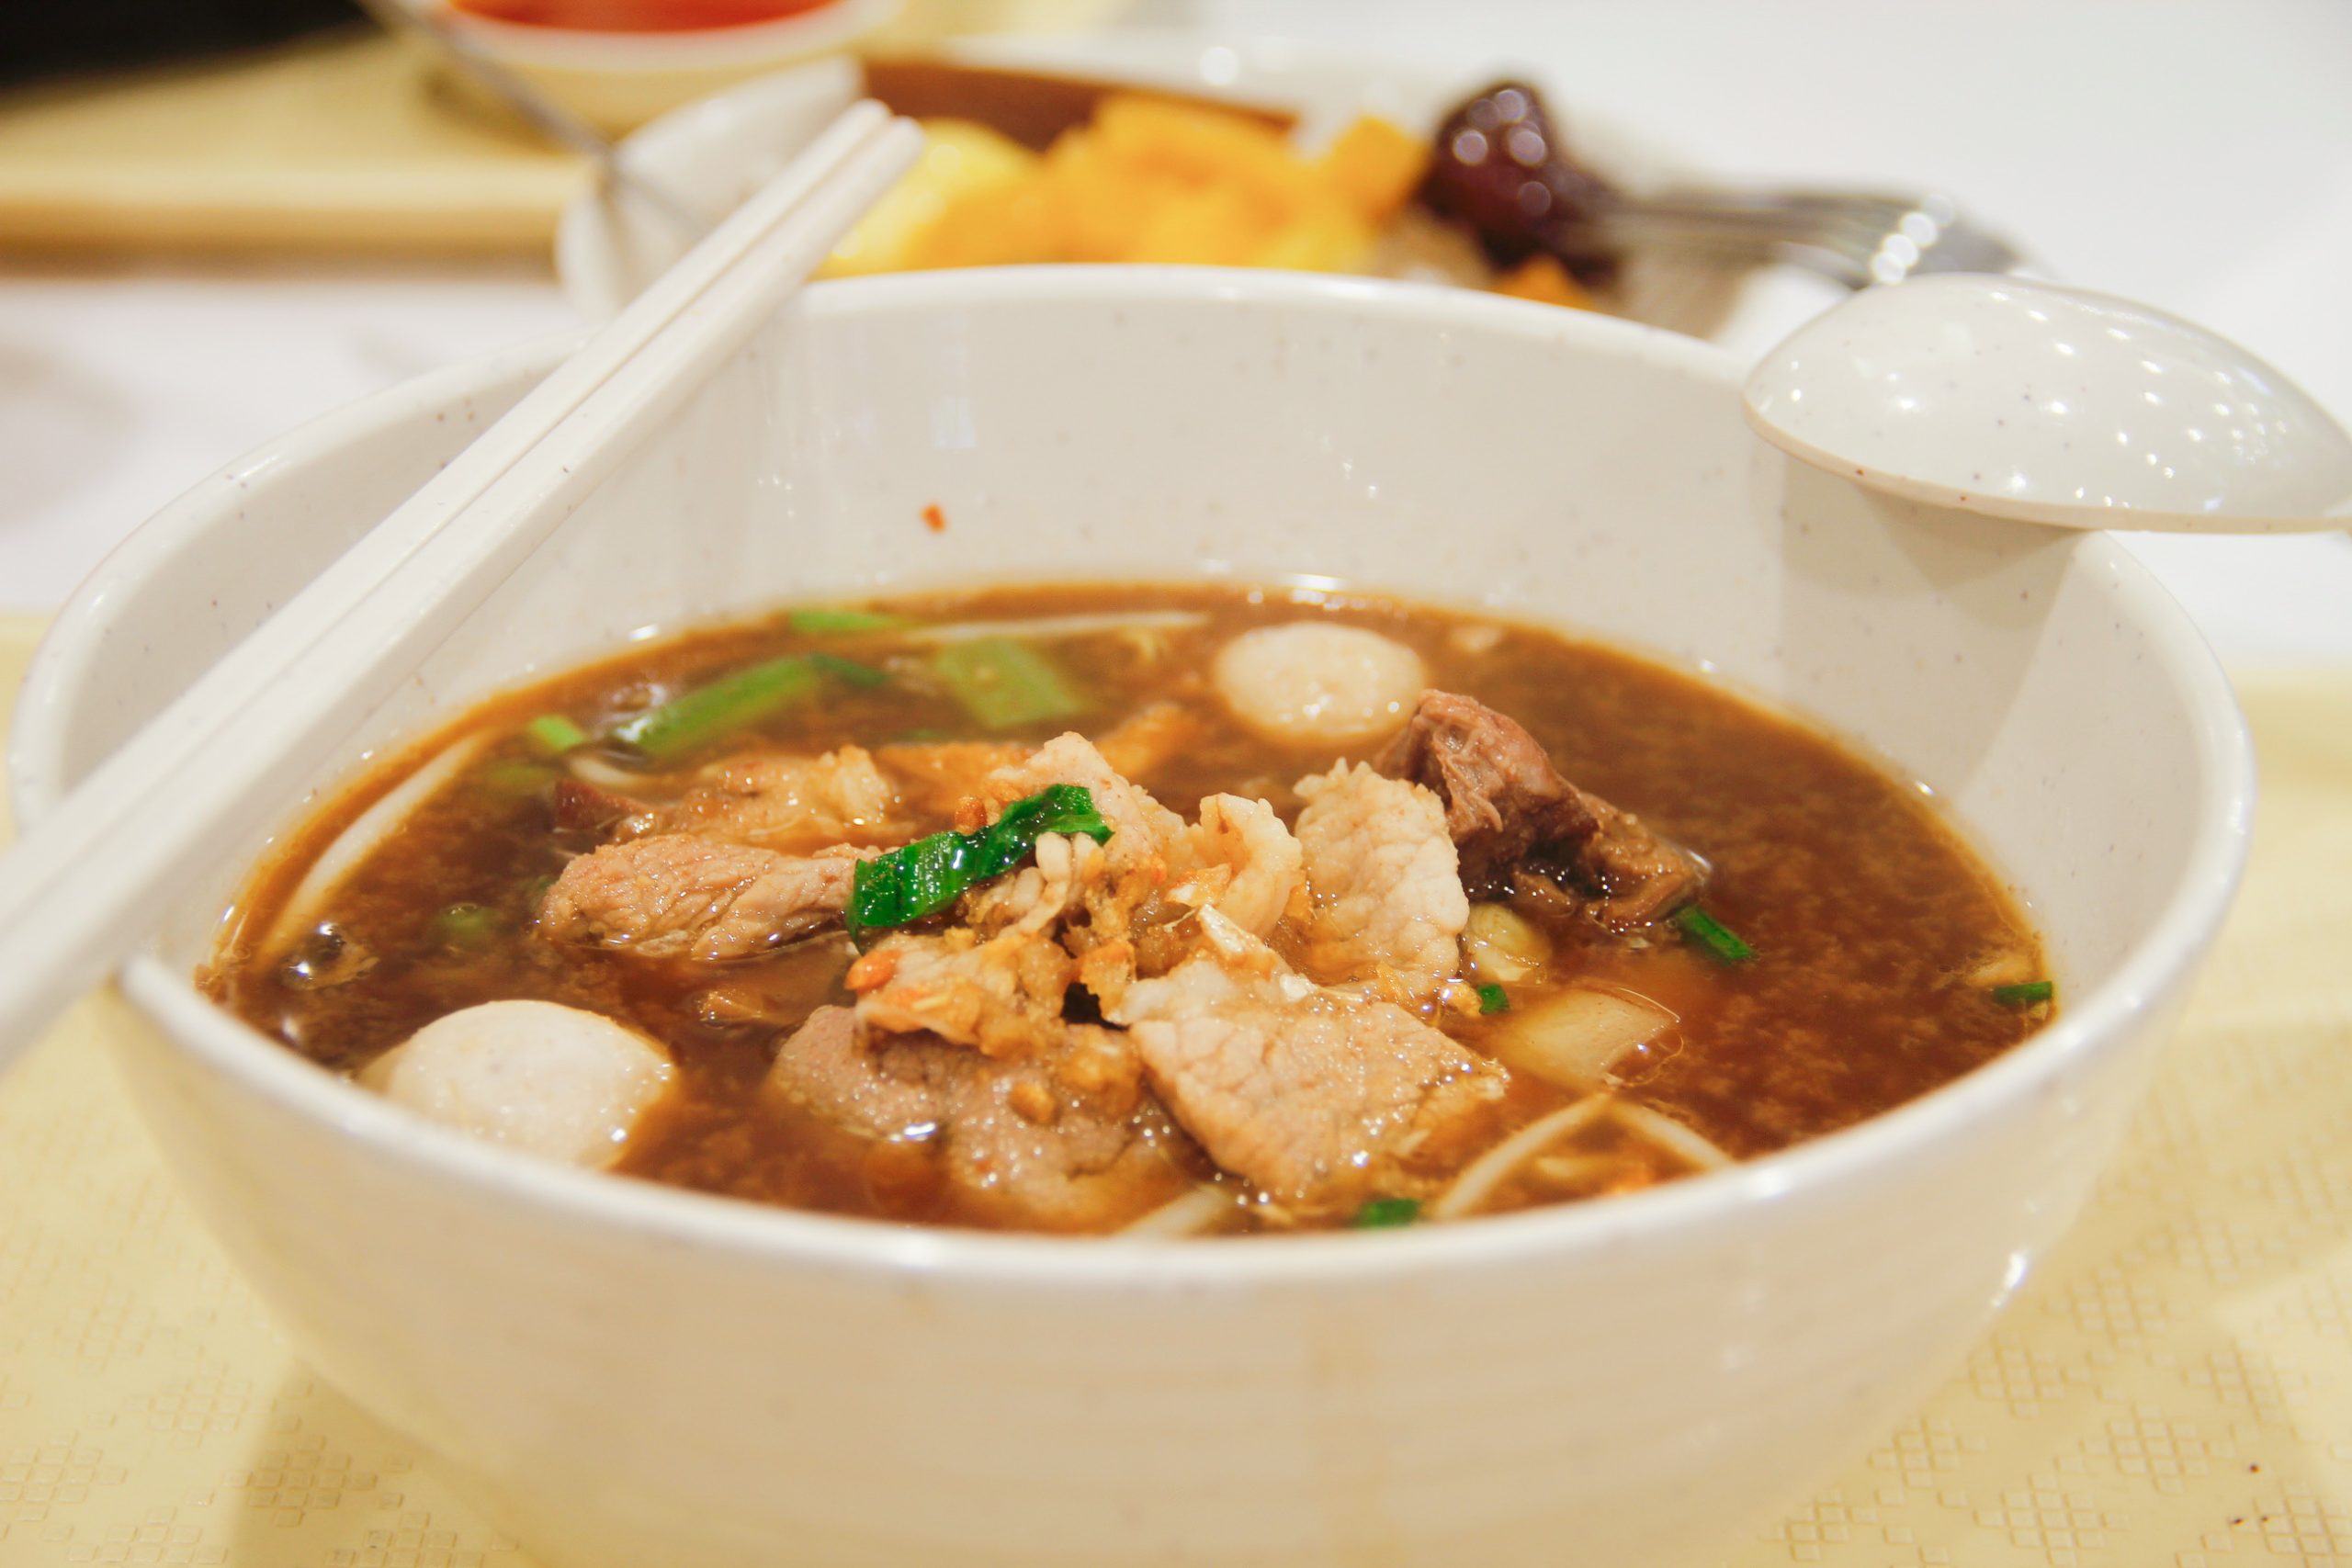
<point x="619" y="81"/>
<point x="628" y="1375"/>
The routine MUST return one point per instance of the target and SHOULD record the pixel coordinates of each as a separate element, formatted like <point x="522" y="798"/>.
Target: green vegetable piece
<point x="1004" y="684"/>
<point x="1493" y="999"/>
<point x="823" y="621"/>
<point x="1387" y="1213"/>
<point x="708" y="713"/>
<point x="465" y="925"/>
<point x="849" y="670"/>
<point x="517" y="780"/>
<point x="733" y="702"/>
<point x="2032" y="993"/>
<point x="1721" y="943"/>
<point x="555" y="735"/>
<point x="922" y="878"/>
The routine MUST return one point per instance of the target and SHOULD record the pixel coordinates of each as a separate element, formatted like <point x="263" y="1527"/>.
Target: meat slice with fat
<point x="998" y="978"/>
<point x="773" y="799"/>
<point x="681" y="896"/>
<point x="1069" y="1139"/>
<point x="1517" y="822"/>
<point x="1321" y="1098"/>
<point x="1144" y="833"/>
<point x="936" y="776"/>
<point x="1388" y="904"/>
<point x="1246" y="864"/>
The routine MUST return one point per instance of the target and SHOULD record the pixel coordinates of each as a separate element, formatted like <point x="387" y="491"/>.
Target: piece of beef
<point x="681" y="896"/>
<point x="1388" y="904"/>
<point x="1323" y="1098"/>
<point x="1069" y="1139"/>
<point x="1513" y="816"/>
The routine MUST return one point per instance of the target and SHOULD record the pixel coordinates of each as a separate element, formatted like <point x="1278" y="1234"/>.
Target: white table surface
<point x="2198" y="156"/>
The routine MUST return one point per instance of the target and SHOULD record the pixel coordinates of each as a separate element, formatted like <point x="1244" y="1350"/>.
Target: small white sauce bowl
<point x="624" y="1375"/>
<point x="619" y="81"/>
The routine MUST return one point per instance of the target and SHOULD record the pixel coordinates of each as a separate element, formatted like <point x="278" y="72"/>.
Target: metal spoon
<point x="2043" y="404"/>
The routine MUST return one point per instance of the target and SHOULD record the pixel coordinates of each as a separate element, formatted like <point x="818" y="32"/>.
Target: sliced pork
<point x="1388" y="904"/>
<point x="1066" y="1140"/>
<point x="936" y="776"/>
<point x="998" y="980"/>
<point x="774" y="800"/>
<point x="682" y="896"/>
<point x="1323" y="1098"/>
<point x="1246" y="864"/>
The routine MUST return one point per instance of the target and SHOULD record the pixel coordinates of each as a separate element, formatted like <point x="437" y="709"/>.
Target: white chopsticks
<point x="76" y="893"/>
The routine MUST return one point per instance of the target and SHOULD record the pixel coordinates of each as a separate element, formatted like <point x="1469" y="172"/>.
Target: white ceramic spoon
<point x="2053" y="405"/>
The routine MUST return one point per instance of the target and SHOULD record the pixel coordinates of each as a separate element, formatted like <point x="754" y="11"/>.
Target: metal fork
<point x="1858" y="238"/>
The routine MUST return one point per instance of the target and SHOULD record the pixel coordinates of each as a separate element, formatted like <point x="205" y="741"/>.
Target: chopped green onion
<point x="849" y="670"/>
<point x="1493" y="999"/>
<point x="1386" y="1213"/>
<point x="823" y="621"/>
<point x="515" y="779"/>
<point x="1004" y="684"/>
<point x="2032" y="993"/>
<point x="555" y="735"/>
<point x="922" y="878"/>
<point x="727" y="705"/>
<point x="732" y="701"/>
<point x="465" y="925"/>
<point x="1723" y="945"/>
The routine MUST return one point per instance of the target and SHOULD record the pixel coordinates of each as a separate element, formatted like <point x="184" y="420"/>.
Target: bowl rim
<point x="2100" y="1019"/>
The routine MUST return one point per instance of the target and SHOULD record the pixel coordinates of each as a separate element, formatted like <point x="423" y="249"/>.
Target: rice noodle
<point x="362" y="839"/>
<point x="1048" y="628"/>
<point x="1670" y="1135"/>
<point x="1490" y="1171"/>
<point x="588" y="768"/>
<point x="1187" y="1215"/>
<point x="1569" y="1171"/>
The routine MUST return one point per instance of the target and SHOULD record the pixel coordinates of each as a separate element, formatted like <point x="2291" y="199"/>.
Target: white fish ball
<point x="1313" y="682"/>
<point x="539" y="1077"/>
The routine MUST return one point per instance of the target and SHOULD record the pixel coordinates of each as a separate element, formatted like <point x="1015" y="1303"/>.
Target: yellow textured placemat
<point x="2173" y="1388"/>
<point x="350" y="144"/>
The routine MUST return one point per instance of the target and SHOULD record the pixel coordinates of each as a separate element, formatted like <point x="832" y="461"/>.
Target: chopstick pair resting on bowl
<point x="73" y="892"/>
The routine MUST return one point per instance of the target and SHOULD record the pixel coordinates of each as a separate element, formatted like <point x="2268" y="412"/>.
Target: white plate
<point x="715" y="152"/>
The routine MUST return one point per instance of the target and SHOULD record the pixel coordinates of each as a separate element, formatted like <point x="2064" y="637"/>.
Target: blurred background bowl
<point x="619" y="80"/>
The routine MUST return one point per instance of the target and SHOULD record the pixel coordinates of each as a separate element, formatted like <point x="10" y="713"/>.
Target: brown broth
<point x="1873" y="924"/>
